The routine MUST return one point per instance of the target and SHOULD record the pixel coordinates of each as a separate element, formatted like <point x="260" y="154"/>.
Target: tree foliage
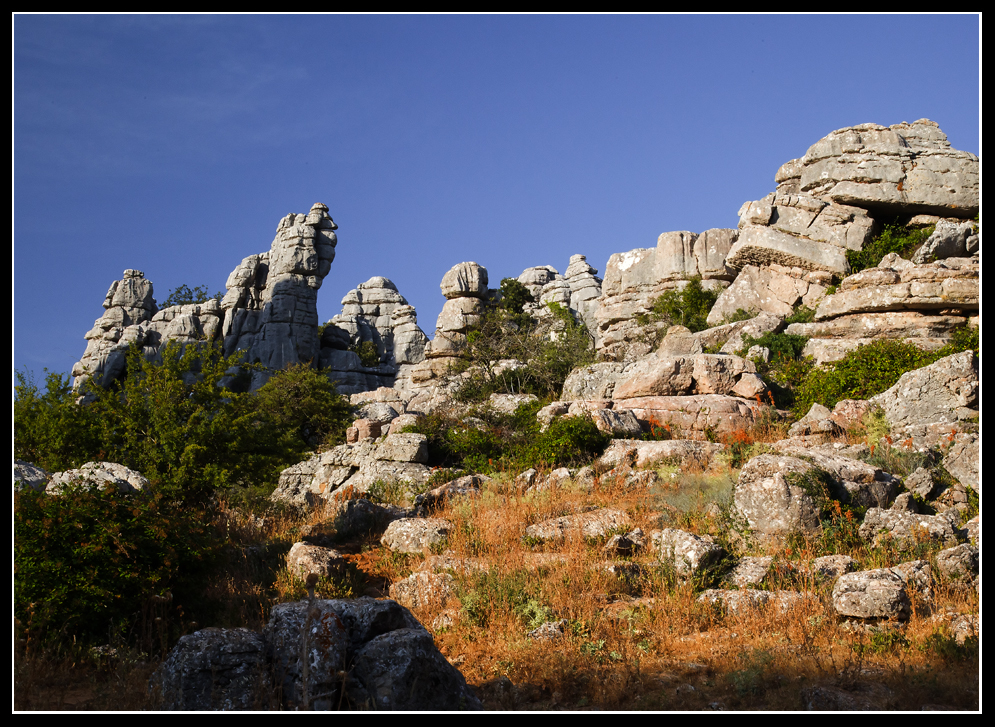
<point x="185" y="295"/>
<point x="546" y="348"/>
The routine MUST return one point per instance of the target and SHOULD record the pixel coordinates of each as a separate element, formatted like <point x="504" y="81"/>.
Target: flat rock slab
<point x="415" y="535"/>
<point x="643" y="454"/>
<point x="423" y="589"/>
<point x="594" y="524"/>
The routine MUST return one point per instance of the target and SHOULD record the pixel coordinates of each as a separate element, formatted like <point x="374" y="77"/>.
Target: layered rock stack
<point x="578" y="290"/>
<point x="920" y="304"/>
<point x="465" y="289"/>
<point x="271" y="305"/>
<point x="132" y="317"/>
<point x="634" y="279"/>
<point x="374" y="312"/>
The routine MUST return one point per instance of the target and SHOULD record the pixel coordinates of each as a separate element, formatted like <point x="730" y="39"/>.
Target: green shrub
<point x="185" y="295"/>
<point x="88" y="561"/>
<point x="368" y="354"/>
<point x="801" y="314"/>
<point x="786" y="369"/>
<point x="549" y="349"/>
<point x="50" y="429"/>
<point x="865" y="372"/>
<point x="687" y="307"/>
<point x="896" y="238"/>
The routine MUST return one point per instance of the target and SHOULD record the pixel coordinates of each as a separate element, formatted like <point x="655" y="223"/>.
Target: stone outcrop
<point x="271" y="305"/>
<point x="323" y="654"/>
<point x="774" y="289"/>
<point x="128" y="305"/>
<point x="354" y="468"/>
<point x="98" y="475"/>
<point x="934" y="401"/>
<point x="634" y="279"/>
<point x="373" y="313"/>
<point x="829" y="201"/>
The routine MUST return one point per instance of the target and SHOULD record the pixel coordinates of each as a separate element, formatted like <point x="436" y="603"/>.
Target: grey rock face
<point x="270" y="307"/>
<point x="962" y="460"/>
<point x="634" y="279"/>
<point x="771" y="495"/>
<point x="959" y="563"/>
<point x="214" y="669"/>
<point x="99" y="474"/>
<point x="951" y="238"/>
<point x="933" y="401"/>
<point x="773" y="289"/>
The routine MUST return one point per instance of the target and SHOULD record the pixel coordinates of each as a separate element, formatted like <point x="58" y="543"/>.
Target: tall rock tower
<point x="271" y="305"/>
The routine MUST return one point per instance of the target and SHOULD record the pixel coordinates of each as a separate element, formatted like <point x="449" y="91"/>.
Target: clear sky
<point x="174" y="144"/>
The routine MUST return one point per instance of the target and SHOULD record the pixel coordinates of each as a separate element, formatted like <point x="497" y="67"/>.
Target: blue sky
<point x="174" y="144"/>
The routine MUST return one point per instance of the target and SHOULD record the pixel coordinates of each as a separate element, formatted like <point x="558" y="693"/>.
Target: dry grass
<point x="639" y="642"/>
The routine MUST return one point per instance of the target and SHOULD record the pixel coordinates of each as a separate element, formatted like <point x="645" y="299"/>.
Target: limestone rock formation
<point x="323" y="654"/>
<point x="634" y="279"/>
<point x="828" y="201"/>
<point x="373" y="313"/>
<point x="271" y="305"/>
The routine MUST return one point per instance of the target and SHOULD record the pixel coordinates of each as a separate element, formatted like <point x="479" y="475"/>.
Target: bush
<point x="548" y="348"/>
<point x="50" y="429"/>
<point x="88" y="561"/>
<point x="896" y="238"/>
<point x="687" y="307"/>
<point x="863" y="373"/>
<point x="185" y="295"/>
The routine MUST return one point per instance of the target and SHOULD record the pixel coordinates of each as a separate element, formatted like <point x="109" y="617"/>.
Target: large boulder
<point x="98" y="475"/>
<point x="934" y="401"/>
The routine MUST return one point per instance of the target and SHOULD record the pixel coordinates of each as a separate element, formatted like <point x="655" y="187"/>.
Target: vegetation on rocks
<point x="184" y="295"/>
<point x="687" y="306"/>
<point x="895" y="237"/>
<point x="548" y="349"/>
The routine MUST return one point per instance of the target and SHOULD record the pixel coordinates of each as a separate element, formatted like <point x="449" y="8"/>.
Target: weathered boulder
<point x="344" y="519"/>
<point x="689" y="554"/>
<point x="403" y="670"/>
<point x="423" y="589"/>
<point x="214" y="669"/>
<point x="643" y="454"/>
<point x="694" y="415"/>
<point x="304" y="559"/>
<point x="466" y="486"/>
<point x="465" y="280"/>
<point x="962" y="460"/>
<point x="877" y="593"/>
<point x="907" y="527"/>
<point x="959" y="563"/>
<point x="28" y="476"/>
<point x="415" y="535"/>
<point x="933" y="401"/>
<point x="594" y="524"/>
<point x="950" y="238"/>
<point x="99" y="475"/>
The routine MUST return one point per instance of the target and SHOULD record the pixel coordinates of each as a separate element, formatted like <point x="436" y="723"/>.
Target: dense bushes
<point x="88" y="561"/>
<point x="872" y="369"/>
<point x="490" y="441"/>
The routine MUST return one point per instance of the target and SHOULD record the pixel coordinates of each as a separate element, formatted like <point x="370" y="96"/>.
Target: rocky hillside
<point x="796" y="467"/>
